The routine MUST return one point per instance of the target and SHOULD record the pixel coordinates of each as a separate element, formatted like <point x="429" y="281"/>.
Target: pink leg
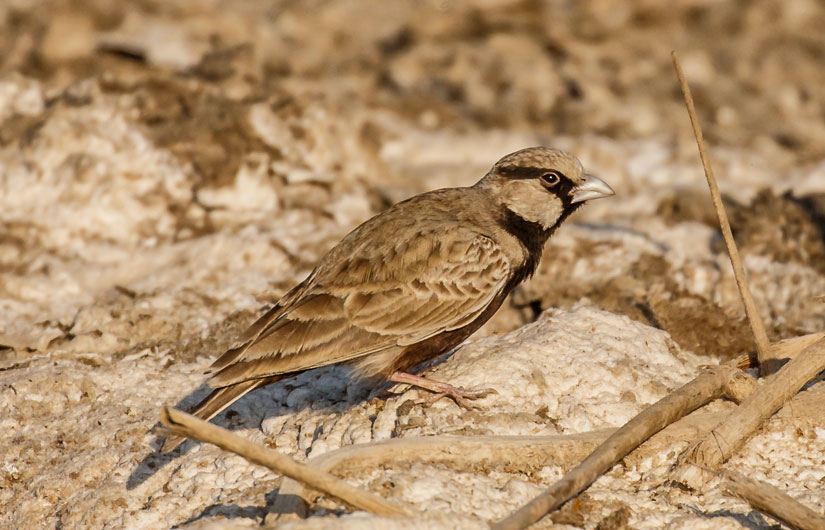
<point x="459" y="395"/>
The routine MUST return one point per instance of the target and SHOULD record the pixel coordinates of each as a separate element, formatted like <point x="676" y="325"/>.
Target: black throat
<point x="532" y="236"/>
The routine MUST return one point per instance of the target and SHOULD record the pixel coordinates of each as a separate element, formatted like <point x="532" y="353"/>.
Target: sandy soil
<point x="167" y="168"/>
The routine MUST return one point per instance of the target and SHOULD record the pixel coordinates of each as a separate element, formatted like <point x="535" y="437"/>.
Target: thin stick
<point x="723" y="441"/>
<point x="184" y="424"/>
<point x="774" y="502"/>
<point x="705" y="388"/>
<point x="524" y="453"/>
<point x="763" y="346"/>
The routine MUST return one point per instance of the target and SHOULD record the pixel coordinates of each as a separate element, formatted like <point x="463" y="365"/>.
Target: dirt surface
<point x="168" y="168"/>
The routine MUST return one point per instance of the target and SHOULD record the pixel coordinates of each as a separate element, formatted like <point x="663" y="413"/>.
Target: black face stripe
<point x="525" y="172"/>
<point x="564" y="189"/>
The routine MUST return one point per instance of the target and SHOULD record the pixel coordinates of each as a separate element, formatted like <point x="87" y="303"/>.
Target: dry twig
<point x="770" y="500"/>
<point x="723" y="441"/>
<point x="763" y="346"/>
<point x="183" y="424"/>
<point x="486" y="452"/>
<point x="463" y="452"/>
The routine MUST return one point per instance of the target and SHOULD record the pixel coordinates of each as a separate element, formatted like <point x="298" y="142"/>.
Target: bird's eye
<point x="550" y="179"/>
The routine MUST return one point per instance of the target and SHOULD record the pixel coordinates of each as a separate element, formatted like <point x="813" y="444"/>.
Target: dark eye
<point x="550" y="179"/>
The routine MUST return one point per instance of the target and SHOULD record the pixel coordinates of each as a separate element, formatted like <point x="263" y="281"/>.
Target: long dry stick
<point x="723" y="441"/>
<point x="772" y="501"/>
<point x="184" y="424"/>
<point x="461" y="452"/>
<point x="481" y="452"/>
<point x="763" y="346"/>
<point x="705" y="388"/>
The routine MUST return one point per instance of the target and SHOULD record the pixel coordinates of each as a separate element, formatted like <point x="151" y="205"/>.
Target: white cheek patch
<point x="529" y="200"/>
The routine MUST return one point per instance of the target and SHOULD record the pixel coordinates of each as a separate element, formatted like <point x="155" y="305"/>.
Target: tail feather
<point x="219" y="399"/>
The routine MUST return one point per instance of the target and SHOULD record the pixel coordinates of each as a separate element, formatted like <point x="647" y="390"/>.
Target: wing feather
<point x="424" y="288"/>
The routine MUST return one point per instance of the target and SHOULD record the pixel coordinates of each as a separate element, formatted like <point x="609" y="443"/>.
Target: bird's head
<point x="542" y="185"/>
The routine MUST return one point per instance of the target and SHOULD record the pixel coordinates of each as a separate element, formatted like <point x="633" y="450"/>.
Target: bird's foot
<point x="440" y="390"/>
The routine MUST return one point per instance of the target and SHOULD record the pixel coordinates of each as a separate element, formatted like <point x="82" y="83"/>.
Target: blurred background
<point x="192" y="149"/>
<point x="168" y="167"/>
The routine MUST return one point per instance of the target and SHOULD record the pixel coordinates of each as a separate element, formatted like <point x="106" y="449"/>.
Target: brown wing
<point x="265" y="320"/>
<point x="369" y="303"/>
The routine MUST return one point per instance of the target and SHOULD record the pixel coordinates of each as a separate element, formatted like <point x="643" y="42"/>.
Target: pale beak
<point x="592" y="188"/>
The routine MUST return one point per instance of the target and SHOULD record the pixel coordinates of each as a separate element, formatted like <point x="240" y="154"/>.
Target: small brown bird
<point x="412" y="282"/>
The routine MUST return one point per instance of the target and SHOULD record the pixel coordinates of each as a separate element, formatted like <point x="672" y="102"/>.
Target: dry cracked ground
<point x="168" y="168"/>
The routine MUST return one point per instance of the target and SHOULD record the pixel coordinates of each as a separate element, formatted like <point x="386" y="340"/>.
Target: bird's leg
<point x="458" y="394"/>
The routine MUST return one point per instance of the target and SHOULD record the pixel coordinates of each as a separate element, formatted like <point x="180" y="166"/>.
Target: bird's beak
<point x="591" y="188"/>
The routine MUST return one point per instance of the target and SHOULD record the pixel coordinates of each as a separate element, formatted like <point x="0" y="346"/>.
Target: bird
<point x="410" y="283"/>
